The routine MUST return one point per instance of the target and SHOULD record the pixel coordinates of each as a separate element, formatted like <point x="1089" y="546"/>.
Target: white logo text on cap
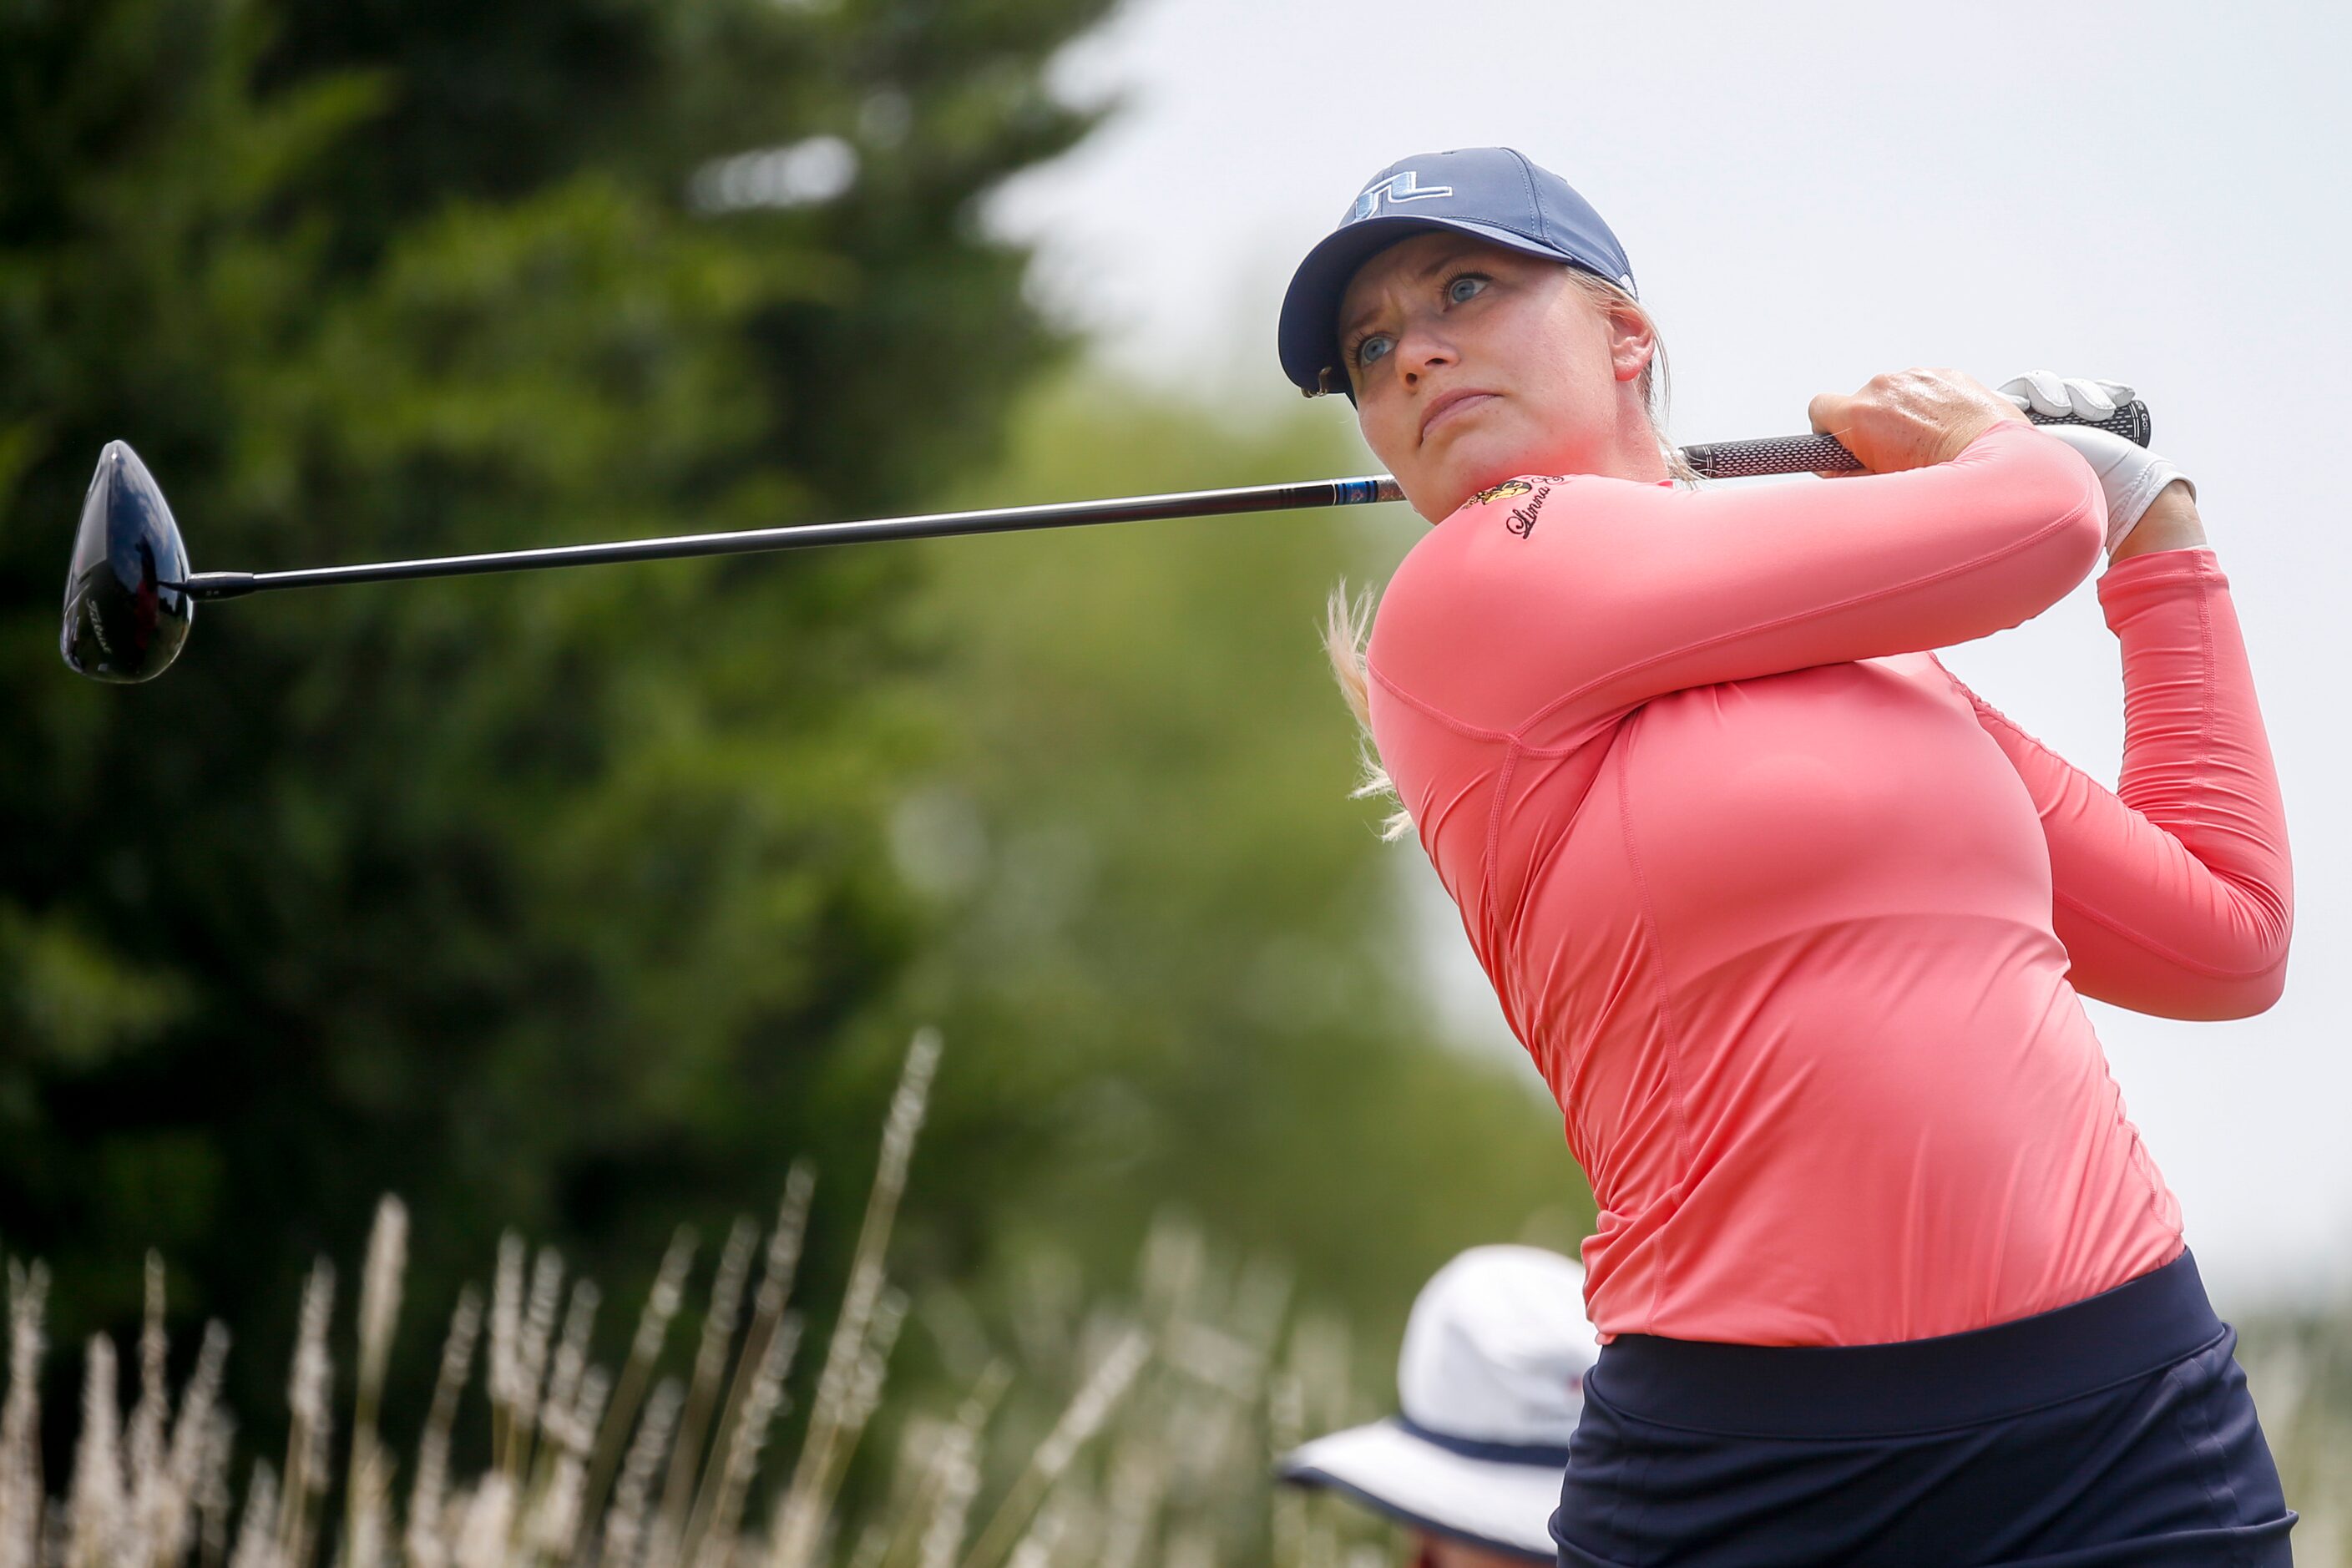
<point x="1404" y="187"/>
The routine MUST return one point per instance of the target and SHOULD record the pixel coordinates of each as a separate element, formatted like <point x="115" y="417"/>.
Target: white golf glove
<point x="2131" y="476"/>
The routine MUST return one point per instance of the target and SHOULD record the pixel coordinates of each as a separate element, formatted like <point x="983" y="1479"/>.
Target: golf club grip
<point x="1819" y="454"/>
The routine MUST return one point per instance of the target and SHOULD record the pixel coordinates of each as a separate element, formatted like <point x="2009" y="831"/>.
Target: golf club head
<point x="126" y="611"/>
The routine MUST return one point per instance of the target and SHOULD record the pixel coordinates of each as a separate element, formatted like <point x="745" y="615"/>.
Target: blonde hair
<point x="1346" y="627"/>
<point x="1347" y="619"/>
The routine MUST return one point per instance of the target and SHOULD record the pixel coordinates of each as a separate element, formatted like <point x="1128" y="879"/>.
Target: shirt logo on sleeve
<point x="1521" y="520"/>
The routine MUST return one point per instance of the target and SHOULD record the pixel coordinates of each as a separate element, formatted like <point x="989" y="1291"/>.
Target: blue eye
<point x="1466" y="288"/>
<point x="1373" y="348"/>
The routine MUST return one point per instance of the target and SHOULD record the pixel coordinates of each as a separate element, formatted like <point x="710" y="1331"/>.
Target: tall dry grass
<point x="1129" y="1434"/>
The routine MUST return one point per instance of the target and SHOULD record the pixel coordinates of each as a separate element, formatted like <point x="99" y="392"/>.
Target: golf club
<point x="131" y="594"/>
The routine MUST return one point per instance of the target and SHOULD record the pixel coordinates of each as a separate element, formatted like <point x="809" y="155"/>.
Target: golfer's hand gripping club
<point x="2131" y="476"/>
<point x="1817" y="454"/>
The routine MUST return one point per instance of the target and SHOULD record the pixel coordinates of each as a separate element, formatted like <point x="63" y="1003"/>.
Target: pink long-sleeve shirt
<point x="1795" y="926"/>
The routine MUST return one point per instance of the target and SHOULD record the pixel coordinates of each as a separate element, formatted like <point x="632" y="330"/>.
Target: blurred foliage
<point x="550" y="902"/>
<point x="2299" y="1367"/>
<point x="1174" y="942"/>
<point x="584" y="902"/>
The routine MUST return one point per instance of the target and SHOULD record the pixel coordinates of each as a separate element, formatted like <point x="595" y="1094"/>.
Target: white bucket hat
<point x="1490" y="1384"/>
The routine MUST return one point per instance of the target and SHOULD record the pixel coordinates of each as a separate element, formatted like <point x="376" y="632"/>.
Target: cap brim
<point x="1309" y="331"/>
<point x="1484" y="1502"/>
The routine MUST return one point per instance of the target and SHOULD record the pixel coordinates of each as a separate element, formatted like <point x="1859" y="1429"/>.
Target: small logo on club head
<point x="1404" y="187"/>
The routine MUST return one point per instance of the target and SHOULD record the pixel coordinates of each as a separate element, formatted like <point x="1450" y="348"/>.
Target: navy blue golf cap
<point x="1494" y="193"/>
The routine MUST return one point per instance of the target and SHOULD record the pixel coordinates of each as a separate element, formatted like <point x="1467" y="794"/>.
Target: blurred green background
<point x="585" y="903"/>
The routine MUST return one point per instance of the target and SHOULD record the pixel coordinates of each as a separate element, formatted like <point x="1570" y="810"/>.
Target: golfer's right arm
<point x="1543" y="620"/>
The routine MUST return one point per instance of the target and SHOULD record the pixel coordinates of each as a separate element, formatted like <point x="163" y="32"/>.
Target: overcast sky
<point x="1810" y="193"/>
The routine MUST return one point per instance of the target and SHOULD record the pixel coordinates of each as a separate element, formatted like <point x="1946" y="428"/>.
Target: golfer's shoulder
<point x="1511" y="546"/>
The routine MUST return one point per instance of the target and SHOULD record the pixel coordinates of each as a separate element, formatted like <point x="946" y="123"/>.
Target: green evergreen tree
<point x="555" y="903"/>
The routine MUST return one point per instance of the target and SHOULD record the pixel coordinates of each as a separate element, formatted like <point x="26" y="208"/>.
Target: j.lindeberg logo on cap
<point x="1404" y="187"/>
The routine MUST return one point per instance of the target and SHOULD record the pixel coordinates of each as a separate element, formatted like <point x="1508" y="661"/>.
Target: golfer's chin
<point x="1472" y="461"/>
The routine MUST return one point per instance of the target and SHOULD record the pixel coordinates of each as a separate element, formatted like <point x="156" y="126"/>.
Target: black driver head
<point x="126" y="611"/>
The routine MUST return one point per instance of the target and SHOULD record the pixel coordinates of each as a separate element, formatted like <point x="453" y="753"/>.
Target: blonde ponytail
<point x="1346" y="627"/>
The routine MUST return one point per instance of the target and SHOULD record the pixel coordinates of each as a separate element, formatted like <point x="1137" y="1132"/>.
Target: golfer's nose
<point x="1422" y="352"/>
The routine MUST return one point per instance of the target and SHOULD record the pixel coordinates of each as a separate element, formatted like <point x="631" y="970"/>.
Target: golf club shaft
<point x="1725" y="459"/>
<point x="803" y="536"/>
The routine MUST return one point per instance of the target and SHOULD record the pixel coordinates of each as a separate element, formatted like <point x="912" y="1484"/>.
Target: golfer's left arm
<point x="2174" y="894"/>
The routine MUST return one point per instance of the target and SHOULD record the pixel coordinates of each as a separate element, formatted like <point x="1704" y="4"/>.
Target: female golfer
<point x="1796" y="927"/>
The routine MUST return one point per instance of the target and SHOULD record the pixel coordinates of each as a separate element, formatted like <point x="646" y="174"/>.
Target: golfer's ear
<point x="1633" y="341"/>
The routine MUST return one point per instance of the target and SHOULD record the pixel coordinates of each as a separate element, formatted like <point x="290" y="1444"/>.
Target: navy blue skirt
<point x="2115" y="1431"/>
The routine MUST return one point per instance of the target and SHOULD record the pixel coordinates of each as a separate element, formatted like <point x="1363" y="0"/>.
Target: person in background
<point x="1490" y="1383"/>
